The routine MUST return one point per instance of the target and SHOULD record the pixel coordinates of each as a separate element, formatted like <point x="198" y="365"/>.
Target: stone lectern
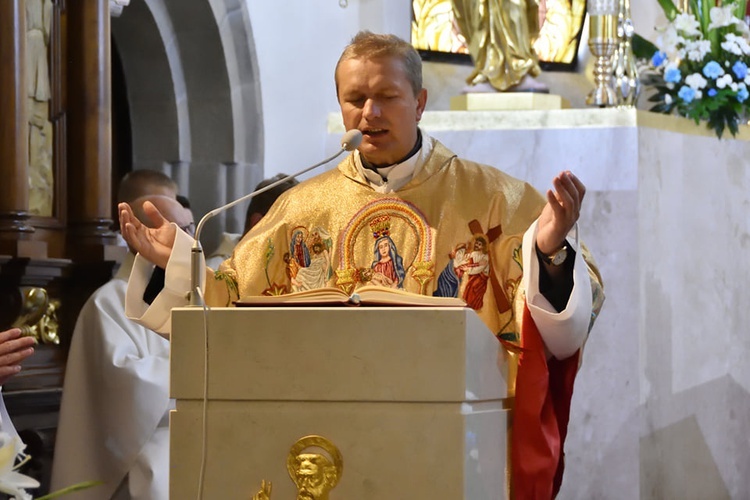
<point x="338" y="403"/>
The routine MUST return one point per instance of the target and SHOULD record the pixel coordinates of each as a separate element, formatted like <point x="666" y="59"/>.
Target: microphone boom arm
<point x="217" y="211"/>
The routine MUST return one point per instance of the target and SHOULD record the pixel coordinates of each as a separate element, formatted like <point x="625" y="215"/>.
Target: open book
<point x="365" y="296"/>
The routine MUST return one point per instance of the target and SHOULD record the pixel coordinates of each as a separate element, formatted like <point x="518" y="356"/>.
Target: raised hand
<point x="265" y="491"/>
<point x="561" y="212"/>
<point x="153" y="243"/>
<point x="13" y="350"/>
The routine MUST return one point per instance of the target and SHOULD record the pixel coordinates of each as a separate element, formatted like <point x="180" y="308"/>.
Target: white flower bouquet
<point x="699" y="67"/>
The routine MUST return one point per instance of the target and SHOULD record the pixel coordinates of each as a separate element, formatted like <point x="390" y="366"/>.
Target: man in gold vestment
<point x="399" y="212"/>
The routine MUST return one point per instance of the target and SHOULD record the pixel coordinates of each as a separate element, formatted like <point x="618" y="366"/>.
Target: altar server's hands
<point x="153" y="243"/>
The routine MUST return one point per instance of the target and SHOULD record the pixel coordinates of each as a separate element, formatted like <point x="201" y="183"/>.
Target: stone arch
<point x="194" y="99"/>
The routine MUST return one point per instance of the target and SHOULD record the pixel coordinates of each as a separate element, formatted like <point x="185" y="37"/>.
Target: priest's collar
<point x="369" y="166"/>
<point x="394" y="177"/>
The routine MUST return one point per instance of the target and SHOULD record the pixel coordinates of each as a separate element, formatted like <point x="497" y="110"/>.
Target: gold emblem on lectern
<point x="315" y="465"/>
<point x="314" y="474"/>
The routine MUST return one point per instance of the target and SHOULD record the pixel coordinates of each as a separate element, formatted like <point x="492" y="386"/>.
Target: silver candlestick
<point x="602" y="42"/>
<point x="626" y="81"/>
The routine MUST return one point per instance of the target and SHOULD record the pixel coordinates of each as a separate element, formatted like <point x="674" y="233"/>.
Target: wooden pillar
<point x="89" y="129"/>
<point x="14" y="140"/>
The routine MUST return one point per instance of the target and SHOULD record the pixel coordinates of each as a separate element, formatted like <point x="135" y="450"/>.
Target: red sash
<point x="540" y="417"/>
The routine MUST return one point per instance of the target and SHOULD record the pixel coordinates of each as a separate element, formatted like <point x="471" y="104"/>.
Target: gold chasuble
<point x="455" y="229"/>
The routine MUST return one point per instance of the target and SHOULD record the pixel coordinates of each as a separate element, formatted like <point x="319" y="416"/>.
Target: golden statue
<point x="499" y="35"/>
<point x="505" y="45"/>
<point x="561" y="21"/>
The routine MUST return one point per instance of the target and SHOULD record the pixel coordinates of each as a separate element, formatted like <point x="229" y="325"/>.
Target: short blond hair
<point x="369" y="45"/>
<point x="143" y="182"/>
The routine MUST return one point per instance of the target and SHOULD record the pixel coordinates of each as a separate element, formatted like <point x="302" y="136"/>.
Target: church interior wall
<point x="194" y="100"/>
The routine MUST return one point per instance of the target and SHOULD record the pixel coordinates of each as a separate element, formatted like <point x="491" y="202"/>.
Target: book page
<point x="318" y="296"/>
<point x="378" y="295"/>
<point x="363" y="296"/>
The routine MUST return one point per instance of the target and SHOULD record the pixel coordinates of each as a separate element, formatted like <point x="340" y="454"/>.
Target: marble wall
<point x="693" y="319"/>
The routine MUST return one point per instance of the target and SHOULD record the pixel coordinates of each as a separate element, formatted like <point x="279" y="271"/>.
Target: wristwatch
<point x="557" y="257"/>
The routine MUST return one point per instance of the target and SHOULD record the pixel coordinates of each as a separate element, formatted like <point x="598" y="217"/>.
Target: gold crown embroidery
<point x="380" y="226"/>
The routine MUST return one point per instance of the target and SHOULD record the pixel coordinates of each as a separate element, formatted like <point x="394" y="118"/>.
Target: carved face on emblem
<point x="315" y="474"/>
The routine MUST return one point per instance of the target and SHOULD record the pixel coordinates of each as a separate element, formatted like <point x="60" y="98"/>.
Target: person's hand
<point x="560" y="213"/>
<point x="13" y="350"/>
<point x="153" y="243"/>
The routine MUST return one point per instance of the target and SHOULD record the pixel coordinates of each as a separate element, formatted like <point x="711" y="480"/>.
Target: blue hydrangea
<point x="713" y="70"/>
<point x="742" y="93"/>
<point x="740" y="70"/>
<point x="658" y="58"/>
<point x="687" y="94"/>
<point x="712" y="92"/>
<point x="672" y="75"/>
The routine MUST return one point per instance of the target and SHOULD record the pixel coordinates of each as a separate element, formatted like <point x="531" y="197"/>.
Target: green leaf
<point x="70" y="489"/>
<point x="718" y="128"/>
<point x="642" y="48"/>
<point x="739" y="8"/>
<point x="733" y="125"/>
<point x="669" y="8"/>
<point x="712" y="104"/>
<point x="662" y="108"/>
<point x="695" y="8"/>
<point x="705" y="18"/>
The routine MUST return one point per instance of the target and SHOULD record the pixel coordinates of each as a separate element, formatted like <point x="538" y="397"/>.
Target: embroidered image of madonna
<point x="298" y="249"/>
<point x="387" y="265"/>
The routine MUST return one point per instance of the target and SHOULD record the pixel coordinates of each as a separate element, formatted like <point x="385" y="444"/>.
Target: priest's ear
<point x="421" y="103"/>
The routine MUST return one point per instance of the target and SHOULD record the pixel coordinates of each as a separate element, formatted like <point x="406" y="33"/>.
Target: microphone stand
<point x="349" y="142"/>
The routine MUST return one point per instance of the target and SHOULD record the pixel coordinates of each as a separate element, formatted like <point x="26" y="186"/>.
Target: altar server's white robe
<point x="114" y="414"/>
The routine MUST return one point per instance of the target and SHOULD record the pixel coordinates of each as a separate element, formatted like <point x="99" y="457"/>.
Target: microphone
<point x="349" y="142"/>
